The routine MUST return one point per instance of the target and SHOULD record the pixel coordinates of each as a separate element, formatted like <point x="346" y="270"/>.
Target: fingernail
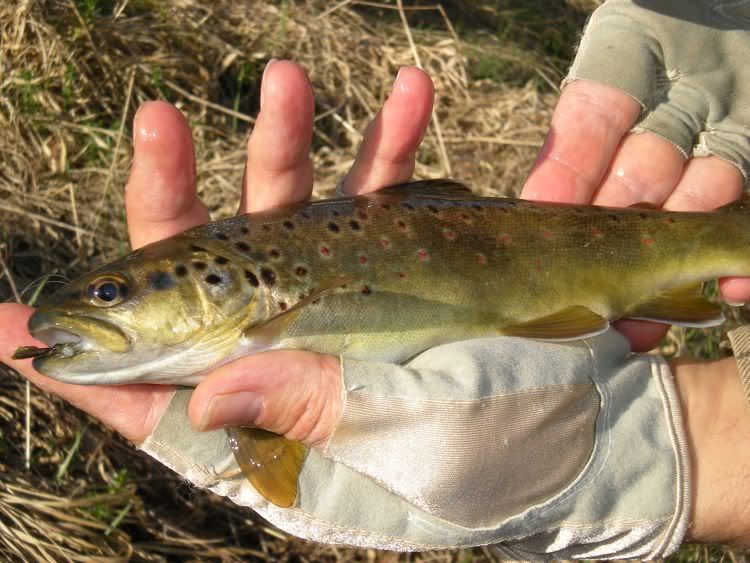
<point x="734" y="303"/>
<point x="398" y="75"/>
<point x="235" y="409"/>
<point x="263" y="79"/>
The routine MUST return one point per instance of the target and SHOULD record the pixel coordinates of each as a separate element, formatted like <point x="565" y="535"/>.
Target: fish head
<point x="165" y="312"/>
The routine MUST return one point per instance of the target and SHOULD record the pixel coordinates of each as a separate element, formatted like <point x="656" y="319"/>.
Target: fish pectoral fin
<point x="440" y="188"/>
<point x="270" y="329"/>
<point x="571" y="323"/>
<point x="684" y="306"/>
<point x="270" y="462"/>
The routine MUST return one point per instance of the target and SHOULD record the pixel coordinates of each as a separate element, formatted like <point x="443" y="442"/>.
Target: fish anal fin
<point x="270" y="462"/>
<point x="570" y="323"/>
<point x="684" y="306"/>
<point x="270" y="329"/>
<point x="440" y="188"/>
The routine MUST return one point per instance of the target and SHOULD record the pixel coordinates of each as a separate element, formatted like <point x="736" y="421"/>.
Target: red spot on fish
<point x="538" y="262"/>
<point x="325" y="251"/>
<point x="481" y="258"/>
<point x="547" y="234"/>
<point x="450" y="234"/>
<point x="366" y="290"/>
<point x="466" y="219"/>
<point x="362" y="259"/>
<point x="423" y="254"/>
<point x="597" y="232"/>
<point x="400" y="224"/>
<point x="505" y="239"/>
<point x="648" y="241"/>
<point x="273" y="253"/>
<point x="385" y="243"/>
<point x="362" y="215"/>
<point x="401" y="275"/>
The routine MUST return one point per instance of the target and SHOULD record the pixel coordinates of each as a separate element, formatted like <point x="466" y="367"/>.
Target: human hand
<point x="634" y="65"/>
<point x="161" y="201"/>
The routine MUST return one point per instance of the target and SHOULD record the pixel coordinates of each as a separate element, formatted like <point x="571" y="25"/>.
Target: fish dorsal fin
<point x="646" y="205"/>
<point x="271" y="328"/>
<point x="441" y="188"/>
<point x="568" y="324"/>
<point x="270" y="462"/>
<point x="684" y="306"/>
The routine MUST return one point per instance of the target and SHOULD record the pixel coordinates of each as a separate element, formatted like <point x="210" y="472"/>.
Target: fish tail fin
<point x="270" y="462"/>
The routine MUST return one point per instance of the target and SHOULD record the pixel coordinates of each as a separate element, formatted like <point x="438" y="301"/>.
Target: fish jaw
<point x="88" y="351"/>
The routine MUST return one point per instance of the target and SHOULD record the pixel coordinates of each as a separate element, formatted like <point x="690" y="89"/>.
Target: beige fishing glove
<point x="685" y="61"/>
<point x="540" y="450"/>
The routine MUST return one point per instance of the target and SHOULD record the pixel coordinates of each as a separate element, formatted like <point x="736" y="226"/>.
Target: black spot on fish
<point x="333" y="227"/>
<point x="354" y="225"/>
<point x="266" y="227"/>
<point x="213" y="279"/>
<point x="613" y="217"/>
<point x="300" y="270"/>
<point x="432" y="209"/>
<point x="199" y="265"/>
<point x="385" y="206"/>
<point x="180" y="270"/>
<point x="221" y="260"/>
<point x="283" y="306"/>
<point x="408" y="206"/>
<point x="160" y="280"/>
<point x="244" y="230"/>
<point x="268" y="276"/>
<point x="305" y="215"/>
<point x="288" y="225"/>
<point x="222" y="236"/>
<point x="242" y="246"/>
<point x="273" y="253"/>
<point x="251" y="278"/>
<point x="196" y="248"/>
<point x="642" y="215"/>
<point x="335" y="213"/>
<point x="362" y="215"/>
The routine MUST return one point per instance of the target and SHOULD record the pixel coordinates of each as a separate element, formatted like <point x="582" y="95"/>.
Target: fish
<point x="379" y="277"/>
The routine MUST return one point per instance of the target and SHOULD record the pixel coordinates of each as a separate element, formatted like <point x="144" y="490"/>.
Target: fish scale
<point x="379" y="277"/>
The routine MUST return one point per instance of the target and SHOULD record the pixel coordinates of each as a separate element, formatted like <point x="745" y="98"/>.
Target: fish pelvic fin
<point x="682" y="306"/>
<point x="271" y="463"/>
<point x="570" y="323"/>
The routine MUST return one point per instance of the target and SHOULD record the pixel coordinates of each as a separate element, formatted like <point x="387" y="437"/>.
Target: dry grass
<point x="73" y="72"/>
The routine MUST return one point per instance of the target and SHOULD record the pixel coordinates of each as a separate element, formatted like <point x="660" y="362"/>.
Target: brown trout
<point x="381" y="276"/>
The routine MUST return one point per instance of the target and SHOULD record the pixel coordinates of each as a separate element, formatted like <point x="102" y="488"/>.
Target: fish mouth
<point x="67" y="336"/>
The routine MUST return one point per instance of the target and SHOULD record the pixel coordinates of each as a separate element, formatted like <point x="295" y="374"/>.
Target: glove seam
<point x="676" y="531"/>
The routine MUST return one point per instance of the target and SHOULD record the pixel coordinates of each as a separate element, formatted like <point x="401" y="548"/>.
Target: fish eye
<point x="107" y="291"/>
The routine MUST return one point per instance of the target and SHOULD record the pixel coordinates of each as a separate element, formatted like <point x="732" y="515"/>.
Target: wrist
<point x="717" y="422"/>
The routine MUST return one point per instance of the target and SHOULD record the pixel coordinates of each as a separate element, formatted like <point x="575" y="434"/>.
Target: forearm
<point x="717" y="422"/>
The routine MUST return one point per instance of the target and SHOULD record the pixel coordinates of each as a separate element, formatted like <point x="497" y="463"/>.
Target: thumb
<point x="293" y="393"/>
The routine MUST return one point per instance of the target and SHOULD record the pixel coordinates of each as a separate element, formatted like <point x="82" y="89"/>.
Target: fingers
<point x="707" y="183"/>
<point x="643" y="335"/>
<point x="387" y="154"/>
<point x="131" y="410"/>
<point x="645" y="169"/>
<point x="589" y="121"/>
<point x="293" y="393"/>
<point x="278" y="168"/>
<point x="160" y="197"/>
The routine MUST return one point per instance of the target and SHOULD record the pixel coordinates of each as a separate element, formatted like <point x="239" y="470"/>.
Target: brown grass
<point x="74" y="72"/>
